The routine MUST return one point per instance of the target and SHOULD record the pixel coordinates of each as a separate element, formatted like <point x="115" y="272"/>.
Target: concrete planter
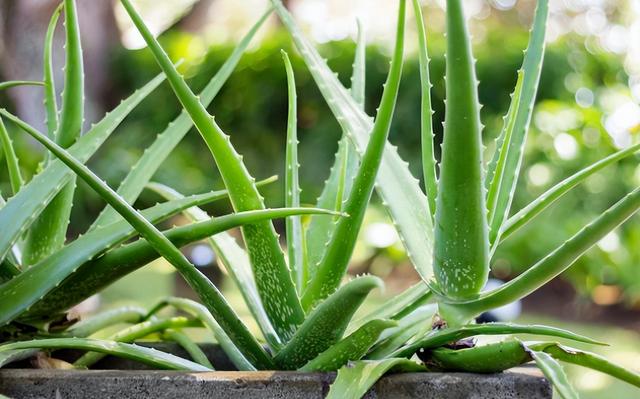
<point x="127" y="382"/>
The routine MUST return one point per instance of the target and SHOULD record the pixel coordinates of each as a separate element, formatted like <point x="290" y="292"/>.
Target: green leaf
<point x="126" y="314"/>
<point x="335" y="260"/>
<point x="50" y="228"/>
<point x="13" y="83"/>
<point x="326" y="324"/>
<point x="349" y="349"/>
<point x="50" y="102"/>
<point x="271" y="273"/>
<point x="491" y="358"/>
<point x="354" y="380"/>
<point x="295" y="234"/>
<point x="189" y="346"/>
<point x="15" y="177"/>
<point x="155" y="155"/>
<point x="554" y="373"/>
<point x="206" y="290"/>
<point x="536" y="206"/>
<point x="531" y="66"/>
<point x="587" y="359"/>
<point x="548" y="267"/>
<point x="399" y="190"/>
<point x="148" y="356"/>
<point x="461" y="246"/>
<point x="426" y="113"/>
<point x="235" y="261"/>
<point x="438" y="338"/>
<point x="199" y="311"/>
<point x="135" y="332"/>
<point x="95" y="275"/>
<point x="358" y="77"/>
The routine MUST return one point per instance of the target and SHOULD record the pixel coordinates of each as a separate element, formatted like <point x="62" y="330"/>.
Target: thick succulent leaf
<point x="135" y="332"/>
<point x="10" y="356"/>
<point x="95" y="275"/>
<point x="155" y="155"/>
<point x="295" y="234"/>
<point x="50" y="228"/>
<point x="88" y="326"/>
<point x="148" y="356"/>
<point x="35" y="282"/>
<point x="491" y="358"/>
<point x="13" y="83"/>
<point x="206" y="290"/>
<point x="461" y="246"/>
<point x="326" y="324"/>
<point x="554" y="373"/>
<point x="354" y="380"/>
<point x="349" y="349"/>
<point x="438" y="338"/>
<point x="182" y="339"/>
<point x="548" y="267"/>
<point x="50" y="101"/>
<point x="499" y="173"/>
<point x="337" y="255"/>
<point x="21" y="210"/>
<point x="399" y="190"/>
<point x="426" y="113"/>
<point x="15" y="177"/>
<point x="235" y="261"/>
<point x="532" y="67"/>
<point x="199" y="311"/>
<point x="587" y="359"/>
<point x="530" y="211"/>
<point x="8" y="270"/>
<point x="271" y="273"/>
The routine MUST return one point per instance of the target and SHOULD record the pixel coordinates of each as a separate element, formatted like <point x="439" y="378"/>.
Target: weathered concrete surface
<point x="97" y="384"/>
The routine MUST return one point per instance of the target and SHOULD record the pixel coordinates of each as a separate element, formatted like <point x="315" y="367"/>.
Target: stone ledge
<point x="523" y="382"/>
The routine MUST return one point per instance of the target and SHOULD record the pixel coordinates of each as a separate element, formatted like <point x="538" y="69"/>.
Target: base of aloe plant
<point x="522" y="382"/>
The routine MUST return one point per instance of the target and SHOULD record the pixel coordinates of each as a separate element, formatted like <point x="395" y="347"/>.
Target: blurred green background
<point x="587" y="108"/>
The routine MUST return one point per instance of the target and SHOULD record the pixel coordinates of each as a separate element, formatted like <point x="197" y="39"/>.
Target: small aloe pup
<point x="466" y="210"/>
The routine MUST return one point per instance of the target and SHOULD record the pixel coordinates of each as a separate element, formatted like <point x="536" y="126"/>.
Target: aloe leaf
<point x="461" y="246"/>
<point x="335" y="260"/>
<point x="490" y="358"/>
<point x="21" y="210"/>
<point x="15" y="177"/>
<point x="343" y="171"/>
<point x="349" y="349"/>
<point x="50" y="102"/>
<point x="326" y="324"/>
<point x="554" y="373"/>
<point x="531" y="66"/>
<point x="499" y="173"/>
<point x="13" y="83"/>
<point x="135" y="332"/>
<point x="426" y="113"/>
<point x="354" y="380"/>
<point x="95" y="275"/>
<point x="10" y="356"/>
<point x="408" y="327"/>
<point x="235" y="261"/>
<point x="441" y="337"/>
<point x="206" y="290"/>
<point x="189" y="346"/>
<point x="587" y="359"/>
<point x="199" y="311"/>
<point x="295" y="234"/>
<point x="271" y="273"/>
<point x="126" y="314"/>
<point x="39" y="279"/>
<point x="8" y="270"/>
<point x="149" y="356"/>
<point x="50" y="228"/>
<point x="548" y="267"/>
<point x="530" y="211"/>
<point x="144" y="169"/>
<point x="399" y="190"/>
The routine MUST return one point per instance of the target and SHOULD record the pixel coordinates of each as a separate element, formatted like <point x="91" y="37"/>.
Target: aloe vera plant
<point x="303" y="310"/>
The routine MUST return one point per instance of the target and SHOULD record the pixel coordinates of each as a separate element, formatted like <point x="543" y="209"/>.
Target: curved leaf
<point x="554" y="373"/>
